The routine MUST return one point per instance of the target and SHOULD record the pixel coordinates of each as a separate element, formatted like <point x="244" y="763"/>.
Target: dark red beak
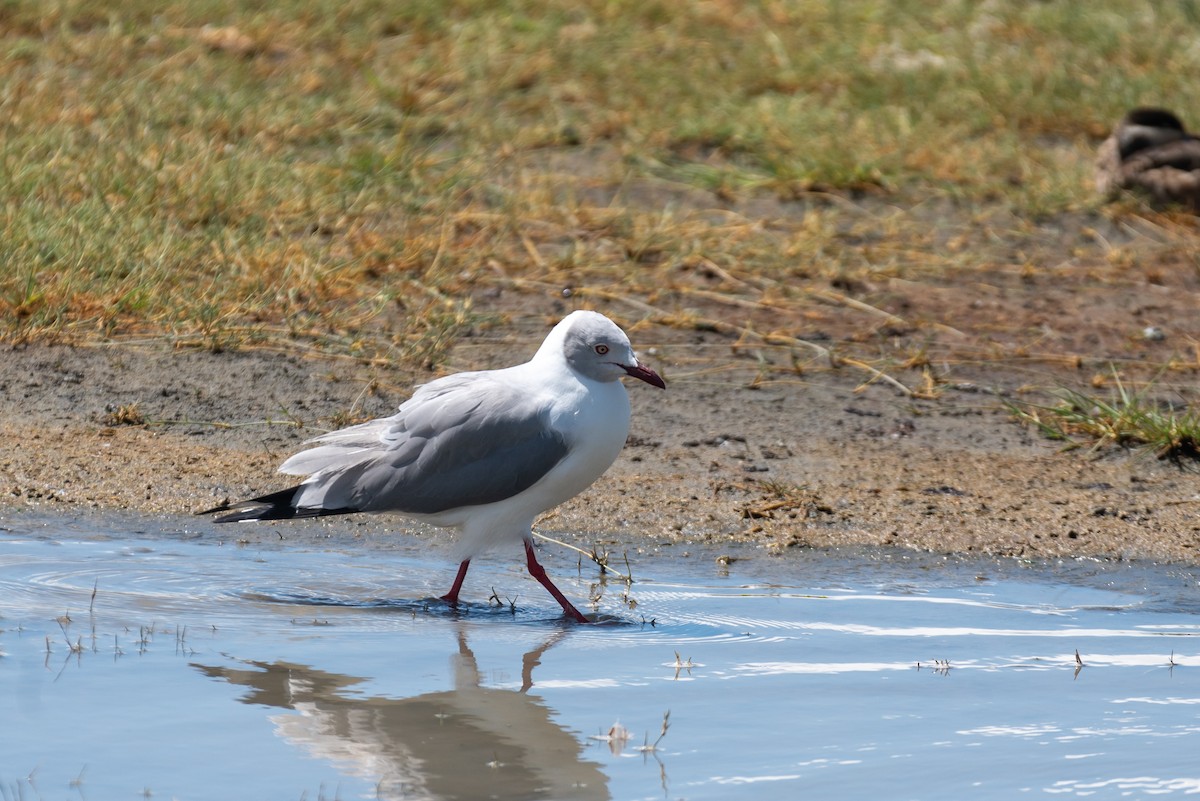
<point x="646" y="374"/>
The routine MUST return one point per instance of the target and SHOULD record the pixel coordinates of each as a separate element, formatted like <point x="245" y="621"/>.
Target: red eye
<point x="602" y="349"/>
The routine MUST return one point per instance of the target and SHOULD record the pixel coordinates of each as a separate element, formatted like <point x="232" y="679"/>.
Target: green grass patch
<point x="354" y="172"/>
<point x="1125" y="419"/>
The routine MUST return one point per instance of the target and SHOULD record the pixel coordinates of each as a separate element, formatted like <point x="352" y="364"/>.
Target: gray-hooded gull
<point x="484" y="452"/>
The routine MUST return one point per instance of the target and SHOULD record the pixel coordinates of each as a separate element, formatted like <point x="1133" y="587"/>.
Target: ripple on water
<point x="344" y="655"/>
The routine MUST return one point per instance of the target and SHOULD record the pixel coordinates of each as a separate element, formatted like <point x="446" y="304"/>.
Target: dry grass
<point x="360" y="177"/>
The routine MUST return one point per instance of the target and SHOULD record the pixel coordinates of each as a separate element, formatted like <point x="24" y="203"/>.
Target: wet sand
<point x="816" y="461"/>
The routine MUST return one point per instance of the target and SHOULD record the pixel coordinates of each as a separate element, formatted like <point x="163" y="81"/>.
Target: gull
<point x="1151" y="152"/>
<point x="484" y="452"/>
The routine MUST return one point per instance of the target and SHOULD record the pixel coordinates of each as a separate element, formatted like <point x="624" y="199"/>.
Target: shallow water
<point x="186" y="667"/>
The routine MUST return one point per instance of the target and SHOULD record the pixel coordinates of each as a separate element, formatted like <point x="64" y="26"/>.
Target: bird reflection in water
<point x="470" y="742"/>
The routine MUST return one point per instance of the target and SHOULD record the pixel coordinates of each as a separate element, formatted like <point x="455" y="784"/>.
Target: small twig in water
<point x="630" y="602"/>
<point x="649" y="747"/>
<point x="510" y="602"/>
<point x="77" y="647"/>
<point x="617" y="738"/>
<point x="602" y="561"/>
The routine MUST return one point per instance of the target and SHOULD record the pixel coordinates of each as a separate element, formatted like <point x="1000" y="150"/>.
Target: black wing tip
<point x="274" y="506"/>
<point x="238" y="515"/>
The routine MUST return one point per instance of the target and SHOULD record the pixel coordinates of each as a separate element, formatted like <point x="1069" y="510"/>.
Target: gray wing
<point x="464" y="440"/>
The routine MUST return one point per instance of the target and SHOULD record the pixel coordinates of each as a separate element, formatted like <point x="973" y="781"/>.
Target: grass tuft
<point x="124" y="415"/>
<point x="1125" y="419"/>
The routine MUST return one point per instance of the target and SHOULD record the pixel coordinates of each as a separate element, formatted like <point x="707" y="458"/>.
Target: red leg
<point x="539" y="573"/>
<point x="452" y="596"/>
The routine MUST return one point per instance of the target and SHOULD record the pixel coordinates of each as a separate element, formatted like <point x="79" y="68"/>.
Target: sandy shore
<point x="810" y="463"/>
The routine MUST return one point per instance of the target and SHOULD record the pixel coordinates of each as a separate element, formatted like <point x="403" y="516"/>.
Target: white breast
<point x="594" y="419"/>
